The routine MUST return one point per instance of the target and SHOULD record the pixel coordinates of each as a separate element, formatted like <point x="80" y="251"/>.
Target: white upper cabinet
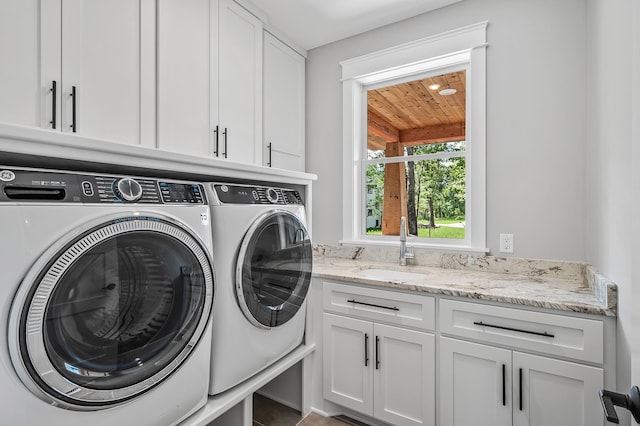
<point x="100" y="56"/>
<point x="284" y="106"/>
<point x="184" y="98"/>
<point x="237" y="108"/>
<point x="30" y="49"/>
<point x="210" y="79"/>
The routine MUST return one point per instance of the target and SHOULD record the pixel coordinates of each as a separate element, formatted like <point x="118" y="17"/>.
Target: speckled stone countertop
<point x="560" y="285"/>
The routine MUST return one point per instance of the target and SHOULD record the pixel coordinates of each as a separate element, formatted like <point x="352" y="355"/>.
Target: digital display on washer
<point x="189" y="193"/>
<point x="242" y="194"/>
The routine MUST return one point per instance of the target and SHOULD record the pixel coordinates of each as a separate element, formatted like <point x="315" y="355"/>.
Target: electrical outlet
<point x="506" y="243"/>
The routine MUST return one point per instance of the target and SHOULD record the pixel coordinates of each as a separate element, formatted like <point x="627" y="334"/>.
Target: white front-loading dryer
<point x="106" y="295"/>
<point x="263" y="257"/>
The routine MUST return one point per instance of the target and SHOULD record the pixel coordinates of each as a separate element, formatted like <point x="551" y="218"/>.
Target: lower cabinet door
<point x="404" y="376"/>
<point x="475" y="384"/>
<point x="347" y="358"/>
<point x="549" y="392"/>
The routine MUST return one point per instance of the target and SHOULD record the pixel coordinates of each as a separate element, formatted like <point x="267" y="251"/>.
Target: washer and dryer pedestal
<point x="263" y="258"/>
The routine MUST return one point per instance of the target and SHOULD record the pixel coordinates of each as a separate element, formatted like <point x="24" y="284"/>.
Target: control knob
<point x="272" y="195"/>
<point x="128" y="190"/>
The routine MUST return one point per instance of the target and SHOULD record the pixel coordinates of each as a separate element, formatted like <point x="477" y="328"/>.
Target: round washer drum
<point x="273" y="270"/>
<point x="113" y="312"/>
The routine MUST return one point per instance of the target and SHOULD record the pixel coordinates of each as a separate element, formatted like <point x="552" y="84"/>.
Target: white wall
<point x="536" y="116"/>
<point x="613" y="163"/>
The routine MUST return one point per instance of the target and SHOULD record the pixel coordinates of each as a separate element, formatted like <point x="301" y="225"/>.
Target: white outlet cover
<point x="506" y="243"/>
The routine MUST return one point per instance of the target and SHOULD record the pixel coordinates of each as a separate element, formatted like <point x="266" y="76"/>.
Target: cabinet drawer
<point x="412" y="310"/>
<point x="577" y="338"/>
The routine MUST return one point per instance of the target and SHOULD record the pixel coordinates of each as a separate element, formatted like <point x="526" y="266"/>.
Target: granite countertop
<point x="564" y="286"/>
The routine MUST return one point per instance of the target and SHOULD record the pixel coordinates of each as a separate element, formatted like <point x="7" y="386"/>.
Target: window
<point x="414" y="149"/>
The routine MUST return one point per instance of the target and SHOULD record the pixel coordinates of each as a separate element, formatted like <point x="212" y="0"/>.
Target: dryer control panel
<point x="31" y="185"/>
<point x="246" y="194"/>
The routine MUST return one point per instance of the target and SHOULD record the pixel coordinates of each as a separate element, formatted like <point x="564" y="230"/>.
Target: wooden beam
<point x="433" y="134"/>
<point x="381" y="127"/>
<point x="394" y="202"/>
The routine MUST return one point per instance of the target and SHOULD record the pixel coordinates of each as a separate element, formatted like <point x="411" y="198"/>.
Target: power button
<point x="87" y="189"/>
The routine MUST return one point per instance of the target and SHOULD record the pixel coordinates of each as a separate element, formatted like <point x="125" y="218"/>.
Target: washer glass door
<point x="274" y="269"/>
<point x="116" y="311"/>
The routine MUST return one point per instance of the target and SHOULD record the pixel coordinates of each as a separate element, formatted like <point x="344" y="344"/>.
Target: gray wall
<point x="536" y="113"/>
<point x="613" y="166"/>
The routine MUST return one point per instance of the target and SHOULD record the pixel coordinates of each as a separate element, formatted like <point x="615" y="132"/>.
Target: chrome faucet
<point x="404" y="254"/>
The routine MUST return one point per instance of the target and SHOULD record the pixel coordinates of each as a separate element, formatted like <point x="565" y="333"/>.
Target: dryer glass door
<point x="274" y="269"/>
<point x="116" y="311"/>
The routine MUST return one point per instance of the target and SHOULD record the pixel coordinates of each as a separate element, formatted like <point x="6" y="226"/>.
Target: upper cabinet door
<point x="284" y="105"/>
<point x="238" y="110"/>
<point x="107" y="64"/>
<point x="184" y="99"/>
<point x="30" y="50"/>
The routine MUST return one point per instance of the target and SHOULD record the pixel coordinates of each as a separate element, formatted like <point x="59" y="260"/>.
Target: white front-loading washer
<point x="263" y="257"/>
<point x="106" y="296"/>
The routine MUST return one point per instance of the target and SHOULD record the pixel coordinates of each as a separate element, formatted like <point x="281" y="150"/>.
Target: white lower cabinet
<point x="496" y="365"/>
<point x="383" y="371"/>
<point x="475" y="384"/>
<point x="555" y="392"/>
<point x="485" y="385"/>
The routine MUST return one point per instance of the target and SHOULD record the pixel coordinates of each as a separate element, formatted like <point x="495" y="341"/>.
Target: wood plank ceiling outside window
<point x="410" y="114"/>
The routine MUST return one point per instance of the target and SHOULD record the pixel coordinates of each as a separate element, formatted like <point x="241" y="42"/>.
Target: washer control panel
<point x="249" y="194"/>
<point x="32" y="185"/>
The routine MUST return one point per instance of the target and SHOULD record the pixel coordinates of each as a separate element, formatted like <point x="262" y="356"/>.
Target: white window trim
<point x="463" y="45"/>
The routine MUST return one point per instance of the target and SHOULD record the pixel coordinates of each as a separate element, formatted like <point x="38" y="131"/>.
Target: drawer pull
<point x="537" y="333"/>
<point x="392" y="308"/>
<point x="377" y="352"/>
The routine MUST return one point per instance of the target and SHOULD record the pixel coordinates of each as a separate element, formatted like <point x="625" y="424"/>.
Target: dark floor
<point x="270" y="413"/>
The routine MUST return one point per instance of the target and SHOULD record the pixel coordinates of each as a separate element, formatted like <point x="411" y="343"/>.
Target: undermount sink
<point x="391" y="275"/>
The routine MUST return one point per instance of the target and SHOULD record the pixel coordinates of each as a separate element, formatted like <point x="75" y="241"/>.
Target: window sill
<point x="412" y="243"/>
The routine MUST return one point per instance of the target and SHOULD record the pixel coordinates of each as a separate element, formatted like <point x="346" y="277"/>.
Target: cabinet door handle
<point x="366" y="350"/>
<point x="504" y="385"/>
<point x="520" y="387"/>
<point x="269" y="148"/>
<point x="225" y="133"/>
<point x="377" y="352"/>
<point x="519" y="330"/>
<point x="392" y="308"/>
<point x="215" y="144"/>
<point x="54" y="91"/>
<point x="73" y="109"/>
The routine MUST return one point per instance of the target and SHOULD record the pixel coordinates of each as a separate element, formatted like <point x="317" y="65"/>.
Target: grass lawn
<point x="440" y="232"/>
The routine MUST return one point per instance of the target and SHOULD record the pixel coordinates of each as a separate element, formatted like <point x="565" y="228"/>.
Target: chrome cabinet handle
<point x="269" y="147"/>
